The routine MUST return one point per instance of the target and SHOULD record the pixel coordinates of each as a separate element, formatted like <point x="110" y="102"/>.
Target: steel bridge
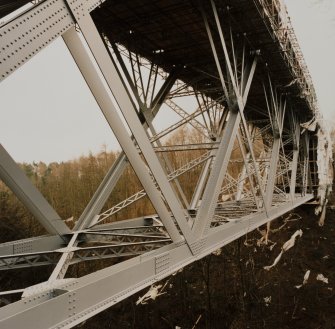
<point x="250" y="100"/>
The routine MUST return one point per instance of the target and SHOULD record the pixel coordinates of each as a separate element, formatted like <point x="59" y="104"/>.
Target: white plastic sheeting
<point x="286" y="246"/>
<point x="153" y="293"/>
<point x="321" y="277"/>
<point x="267" y="300"/>
<point x="290" y="243"/>
<point x="306" y="277"/>
<point x="324" y="161"/>
<point x="217" y="252"/>
<point x="325" y="168"/>
<point x="309" y="125"/>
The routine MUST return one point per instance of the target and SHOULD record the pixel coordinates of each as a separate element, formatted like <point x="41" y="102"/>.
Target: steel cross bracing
<point x="250" y="161"/>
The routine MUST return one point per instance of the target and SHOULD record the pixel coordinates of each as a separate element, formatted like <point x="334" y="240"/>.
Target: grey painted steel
<point x="31" y="245"/>
<point x="182" y="113"/>
<point x="117" y="242"/>
<point x="62" y="265"/>
<point x="69" y="302"/>
<point x="17" y="181"/>
<point x="102" y="193"/>
<point x="294" y="163"/>
<point x="200" y="184"/>
<point x="74" y="44"/>
<point x="248" y="138"/>
<point x="246" y="173"/>
<point x="216" y="58"/>
<point x="165" y="160"/>
<point x="220" y="164"/>
<point x="272" y="173"/>
<point x="43" y="23"/>
<point x="276" y="115"/>
<point x="163" y="92"/>
<point x="187" y="147"/>
<point x="241" y="93"/>
<point x="243" y="175"/>
<point x="219" y="167"/>
<point x="306" y="167"/>
<point x="105" y="102"/>
<point x="138" y="195"/>
<point x="107" y="185"/>
<point x="101" y="55"/>
<point x="225" y="51"/>
<point x="186" y="119"/>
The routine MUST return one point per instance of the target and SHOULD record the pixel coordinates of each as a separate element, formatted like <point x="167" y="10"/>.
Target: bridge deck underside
<point x="171" y="34"/>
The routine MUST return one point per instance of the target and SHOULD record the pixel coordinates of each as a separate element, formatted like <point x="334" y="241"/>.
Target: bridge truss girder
<point x="273" y="163"/>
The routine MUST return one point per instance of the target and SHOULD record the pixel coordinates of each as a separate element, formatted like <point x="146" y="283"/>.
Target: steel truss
<point x="249" y="171"/>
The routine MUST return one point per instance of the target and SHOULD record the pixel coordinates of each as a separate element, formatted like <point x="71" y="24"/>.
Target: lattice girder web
<point x="230" y="158"/>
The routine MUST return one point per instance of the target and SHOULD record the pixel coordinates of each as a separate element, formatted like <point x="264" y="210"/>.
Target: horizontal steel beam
<point x="70" y="305"/>
<point x="32" y="245"/>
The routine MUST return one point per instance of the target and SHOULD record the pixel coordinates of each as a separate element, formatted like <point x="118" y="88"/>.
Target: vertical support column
<point x="242" y="91"/>
<point x="236" y="108"/>
<point x="206" y="168"/>
<point x="242" y="178"/>
<point x="294" y="164"/>
<point x="213" y="186"/>
<point x="271" y="180"/>
<point x="276" y="110"/>
<point x="294" y="173"/>
<point x="246" y="159"/>
<point x="305" y="176"/>
<point x="200" y="184"/>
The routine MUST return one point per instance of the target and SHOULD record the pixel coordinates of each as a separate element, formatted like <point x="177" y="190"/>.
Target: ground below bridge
<point x="232" y="290"/>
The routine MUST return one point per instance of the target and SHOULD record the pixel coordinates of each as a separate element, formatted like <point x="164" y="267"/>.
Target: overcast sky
<point x="48" y="113"/>
<point x="314" y="24"/>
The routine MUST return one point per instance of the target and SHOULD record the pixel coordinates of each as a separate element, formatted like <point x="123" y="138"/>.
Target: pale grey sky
<point x="314" y="24"/>
<point x="48" y="113"/>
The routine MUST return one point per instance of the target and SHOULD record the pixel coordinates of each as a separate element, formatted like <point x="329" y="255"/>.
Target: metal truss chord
<point x="147" y="268"/>
<point x="43" y="23"/>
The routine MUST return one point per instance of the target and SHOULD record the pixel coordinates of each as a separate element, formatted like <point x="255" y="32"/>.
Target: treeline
<point x="69" y="186"/>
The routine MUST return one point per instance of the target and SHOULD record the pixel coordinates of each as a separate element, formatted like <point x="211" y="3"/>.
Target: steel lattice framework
<point x="240" y="63"/>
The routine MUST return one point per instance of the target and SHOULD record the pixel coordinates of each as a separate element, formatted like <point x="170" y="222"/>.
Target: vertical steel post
<point x="200" y="184"/>
<point x="213" y="186"/>
<point x="271" y="179"/>
<point x="294" y="163"/>
<point x="242" y="177"/>
<point x="220" y="164"/>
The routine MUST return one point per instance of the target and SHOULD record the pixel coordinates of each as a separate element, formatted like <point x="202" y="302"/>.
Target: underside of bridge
<point x="231" y="71"/>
